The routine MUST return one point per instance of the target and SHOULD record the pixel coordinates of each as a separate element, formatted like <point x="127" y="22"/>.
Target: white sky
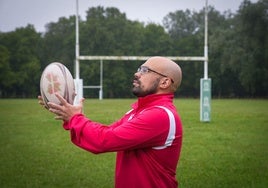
<point x="19" y="13"/>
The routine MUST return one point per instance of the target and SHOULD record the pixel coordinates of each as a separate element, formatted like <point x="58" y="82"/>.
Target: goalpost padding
<point x="205" y="99"/>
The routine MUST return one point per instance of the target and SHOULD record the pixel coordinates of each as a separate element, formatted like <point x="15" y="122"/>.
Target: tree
<point x="7" y="78"/>
<point x="59" y="42"/>
<point x="155" y="41"/>
<point x="252" y="29"/>
<point x="24" y="66"/>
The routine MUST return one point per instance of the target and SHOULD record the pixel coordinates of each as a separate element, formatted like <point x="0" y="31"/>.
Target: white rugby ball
<point x="56" y="78"/>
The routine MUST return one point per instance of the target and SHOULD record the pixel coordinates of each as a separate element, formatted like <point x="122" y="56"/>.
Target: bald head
<point x="166" y="67"/>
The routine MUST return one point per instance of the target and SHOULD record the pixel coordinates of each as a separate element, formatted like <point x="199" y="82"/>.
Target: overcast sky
<point x="19" y="13"/>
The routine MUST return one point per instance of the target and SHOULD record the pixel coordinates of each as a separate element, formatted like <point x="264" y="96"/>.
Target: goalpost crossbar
<point x="140" y="58"/>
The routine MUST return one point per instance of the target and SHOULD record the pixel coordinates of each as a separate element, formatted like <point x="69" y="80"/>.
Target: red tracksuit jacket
<point x="147" y="139"/>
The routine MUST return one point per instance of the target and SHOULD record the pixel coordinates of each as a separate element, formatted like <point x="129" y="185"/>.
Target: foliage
<point x="21" y="62"/>
<point x="238" y="44"/>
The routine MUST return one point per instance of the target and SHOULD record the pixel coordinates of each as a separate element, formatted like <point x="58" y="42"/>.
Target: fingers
<point x="63" y="111"/>
<point x="41" y="101"/>
<point x="61" y="99"/>
<point x="59" y="118"/>
<point x="55" y="111"/>
<point x="58" y="111"/>
<point x="54" y="106"/>
<point x="81" y="102"/>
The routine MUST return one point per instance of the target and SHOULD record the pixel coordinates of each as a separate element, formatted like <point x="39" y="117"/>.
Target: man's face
<point x="145" y="83"/>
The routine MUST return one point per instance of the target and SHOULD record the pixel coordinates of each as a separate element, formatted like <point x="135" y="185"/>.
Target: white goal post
<point x="139" y="58"/>
<point x="205" y="83"/>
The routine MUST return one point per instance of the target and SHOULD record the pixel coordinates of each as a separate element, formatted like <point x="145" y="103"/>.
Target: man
<point x="147" y="139"/>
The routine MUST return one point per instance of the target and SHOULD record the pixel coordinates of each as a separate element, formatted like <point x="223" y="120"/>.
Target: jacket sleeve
<point x="147" y="129"/>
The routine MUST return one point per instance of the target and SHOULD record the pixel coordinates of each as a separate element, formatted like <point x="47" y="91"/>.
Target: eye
<point x="143" y="70"/>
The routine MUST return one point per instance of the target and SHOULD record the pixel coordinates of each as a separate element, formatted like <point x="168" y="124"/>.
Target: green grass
<point x="230" y="151"/>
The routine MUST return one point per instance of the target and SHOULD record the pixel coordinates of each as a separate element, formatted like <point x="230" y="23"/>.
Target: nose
<point x="137" y="74"/>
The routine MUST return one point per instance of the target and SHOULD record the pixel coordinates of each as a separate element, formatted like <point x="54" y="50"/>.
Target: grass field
<point x="230" y="151"/>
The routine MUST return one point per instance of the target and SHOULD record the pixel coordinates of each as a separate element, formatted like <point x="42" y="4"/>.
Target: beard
<point x="139" y="90"/>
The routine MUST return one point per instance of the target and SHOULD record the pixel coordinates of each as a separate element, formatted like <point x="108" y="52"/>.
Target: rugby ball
<point x="56" y="78"/>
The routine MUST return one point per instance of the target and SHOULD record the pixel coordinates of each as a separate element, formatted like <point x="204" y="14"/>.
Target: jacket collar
<point x="153" y="100"/>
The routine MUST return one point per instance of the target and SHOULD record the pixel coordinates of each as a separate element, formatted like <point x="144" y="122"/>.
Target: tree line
<point x="238" y="45"/>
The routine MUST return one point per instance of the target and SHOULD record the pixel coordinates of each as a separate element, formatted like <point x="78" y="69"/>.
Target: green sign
<point x="205" y="98"/>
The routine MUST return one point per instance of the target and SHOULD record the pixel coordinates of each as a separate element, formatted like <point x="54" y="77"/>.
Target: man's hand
<point x="65" y="111"/>
<point x="41" y="102"/>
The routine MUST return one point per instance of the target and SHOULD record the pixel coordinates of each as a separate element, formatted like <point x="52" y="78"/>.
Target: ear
<point x="165" y="83"/>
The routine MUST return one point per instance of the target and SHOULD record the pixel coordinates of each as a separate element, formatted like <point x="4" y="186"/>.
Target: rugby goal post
<point x="205" y="83"/>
